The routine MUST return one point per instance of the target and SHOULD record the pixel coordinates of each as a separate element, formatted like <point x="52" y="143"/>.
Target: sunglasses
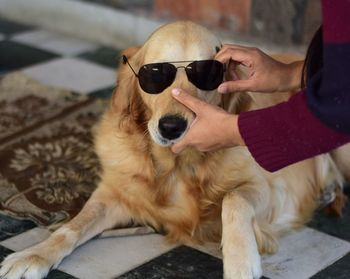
<point x="155" y="77"/>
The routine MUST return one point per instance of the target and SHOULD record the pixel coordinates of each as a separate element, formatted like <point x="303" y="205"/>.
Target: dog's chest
<point x="187" y="207"/>
<point x="189" y="185"/>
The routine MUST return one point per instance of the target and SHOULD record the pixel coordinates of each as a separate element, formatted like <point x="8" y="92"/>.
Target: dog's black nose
<point x="172" y="126"/>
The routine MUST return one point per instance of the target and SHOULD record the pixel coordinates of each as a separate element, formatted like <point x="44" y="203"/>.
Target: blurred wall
<point x="276" y="21"/>
<point x="270" y="24"/>
<point x="228" y="14"/>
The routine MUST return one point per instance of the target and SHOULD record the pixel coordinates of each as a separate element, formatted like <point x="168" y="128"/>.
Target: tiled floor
<point x="57" y="60"/>
<point x="321" y="251"/>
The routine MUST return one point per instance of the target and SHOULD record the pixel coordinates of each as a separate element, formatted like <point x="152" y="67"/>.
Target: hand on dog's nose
<point x="212" y="129"/>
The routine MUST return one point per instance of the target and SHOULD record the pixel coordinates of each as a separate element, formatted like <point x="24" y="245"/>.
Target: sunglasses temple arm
<point x="126" y="61"/>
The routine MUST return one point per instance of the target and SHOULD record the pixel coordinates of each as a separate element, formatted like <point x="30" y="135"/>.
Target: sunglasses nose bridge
<point x="181" y="81"/>
<point x="181" y="67"/>
<point x="180" y="71"/>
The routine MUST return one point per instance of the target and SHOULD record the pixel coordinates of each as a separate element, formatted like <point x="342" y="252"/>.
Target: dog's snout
<point x="172" y="126"/>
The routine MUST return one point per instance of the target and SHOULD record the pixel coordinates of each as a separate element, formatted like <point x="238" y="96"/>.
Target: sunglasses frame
<point x="126" y="61"/>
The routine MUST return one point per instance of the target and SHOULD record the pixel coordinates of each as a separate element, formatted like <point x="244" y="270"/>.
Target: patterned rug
<point x="48" y="168"/>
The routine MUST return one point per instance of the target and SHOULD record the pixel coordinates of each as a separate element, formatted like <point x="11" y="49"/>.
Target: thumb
<point x="187" y="100"/>
<point x="236" y="86"/>
<point x="179" y="147"/>
<point x="183" y="143"/>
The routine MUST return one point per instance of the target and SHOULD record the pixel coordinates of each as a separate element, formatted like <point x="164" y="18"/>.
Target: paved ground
<point x="319" y="251"/>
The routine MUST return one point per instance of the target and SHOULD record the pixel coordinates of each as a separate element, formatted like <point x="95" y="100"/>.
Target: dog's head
<point x="162" y="116"/>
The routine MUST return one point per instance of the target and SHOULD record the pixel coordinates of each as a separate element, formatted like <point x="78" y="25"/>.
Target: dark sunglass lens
<point x="206" y="75"/>
<point x="154" y="78"/>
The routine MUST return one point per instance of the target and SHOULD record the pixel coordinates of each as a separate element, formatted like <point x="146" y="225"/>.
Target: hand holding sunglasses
<point x="265" y="74"/>
<point x="154" y="78"/>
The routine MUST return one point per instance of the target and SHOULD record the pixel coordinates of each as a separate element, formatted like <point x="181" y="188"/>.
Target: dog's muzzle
<point x="172" y="126"/>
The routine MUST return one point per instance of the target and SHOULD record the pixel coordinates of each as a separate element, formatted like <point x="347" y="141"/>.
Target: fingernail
<point x="222" y="89"/>
<point x="176" y="91"/>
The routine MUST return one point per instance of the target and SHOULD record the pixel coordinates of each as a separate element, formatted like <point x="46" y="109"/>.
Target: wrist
<point x="234" y="136"/>
<point x="291" y="76"/>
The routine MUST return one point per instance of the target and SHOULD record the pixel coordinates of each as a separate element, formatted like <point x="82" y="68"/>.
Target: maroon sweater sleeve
<point x="287" y="133"/>
<point x="290" y="132"/>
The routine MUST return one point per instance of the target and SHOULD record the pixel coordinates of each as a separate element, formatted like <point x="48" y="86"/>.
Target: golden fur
<point x="194" y="196"/>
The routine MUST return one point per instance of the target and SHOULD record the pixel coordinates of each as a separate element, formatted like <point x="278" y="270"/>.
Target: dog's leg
<point x="100" y="212"/>
<point x="239" y="245"/>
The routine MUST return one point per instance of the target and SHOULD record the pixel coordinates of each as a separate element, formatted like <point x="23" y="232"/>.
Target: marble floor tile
<point x="4" y="252"/>
<point x="26" y="239"/>
<point x="54" y="274"/>
<point x="58" y="274"/>
<point x="181" y="262"/>
<point x="110" y="257"/>
<point x="104" y="93"/>
<point x="15" y="56"/>
<point x="9" y="27"/>
<point x="304" y="253"/>
<point x="100" y="258"/>
<point x="105" y="56"/>
<point x="54" y="42"/>
<point x="10" y="227"/>
<point x="73" y="74"/>
<point x="338" y="270"/>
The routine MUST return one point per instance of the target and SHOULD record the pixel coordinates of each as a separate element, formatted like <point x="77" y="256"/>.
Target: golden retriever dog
<point x="191" y="197"/>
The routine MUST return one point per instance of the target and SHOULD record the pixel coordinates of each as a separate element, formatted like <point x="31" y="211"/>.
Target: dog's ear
<point x="131" y="51"/>
<point x="238" y="101"/>
<point x="126" y="101"/>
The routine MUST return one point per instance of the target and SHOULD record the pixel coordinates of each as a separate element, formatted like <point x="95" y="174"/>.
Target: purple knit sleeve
<point x="286" y="133"/>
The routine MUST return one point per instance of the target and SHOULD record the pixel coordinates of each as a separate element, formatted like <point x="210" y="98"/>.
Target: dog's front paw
<point x="27" y="264"/>
<point x="242" y="266"/>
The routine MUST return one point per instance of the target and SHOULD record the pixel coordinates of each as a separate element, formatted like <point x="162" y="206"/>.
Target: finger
<point x="236" y="86"/>
<point x="179" y="147"/>
<point x="240" y="55"/>
<point x="186" y="99"/>
<point x="239" y="47"/>
<point x="234" y="46"/>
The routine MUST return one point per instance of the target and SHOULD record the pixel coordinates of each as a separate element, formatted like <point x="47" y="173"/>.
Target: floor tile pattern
<point x="11" y="226"/>
<point x="9" y="27"/>
<point x="72" y="73"/>
<point x="14" y="56"/>
<point x="54" y="42"/>
<point x="103" y="55"/>
<point x="339" y="270"/>
<point x="181" y="262"/>
<point x="54" y="274"/>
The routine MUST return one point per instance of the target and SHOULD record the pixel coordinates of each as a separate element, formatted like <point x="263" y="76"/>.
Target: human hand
<point x="212" y="129"/>
<point x="265" y="74"/>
